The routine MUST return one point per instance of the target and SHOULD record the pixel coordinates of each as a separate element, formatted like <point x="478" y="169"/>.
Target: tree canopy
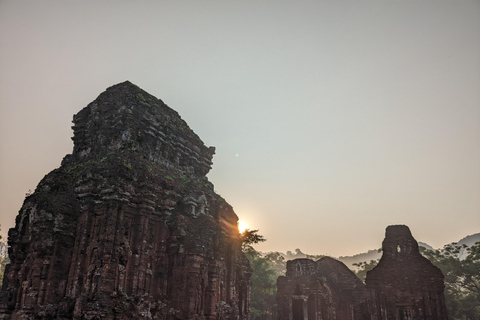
<point x="460" y="265"/>
<point x="264" y="278"/>
<point x="3" y="259"/>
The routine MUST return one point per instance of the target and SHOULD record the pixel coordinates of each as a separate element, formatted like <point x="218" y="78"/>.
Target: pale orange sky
<point x="331" y="119"/>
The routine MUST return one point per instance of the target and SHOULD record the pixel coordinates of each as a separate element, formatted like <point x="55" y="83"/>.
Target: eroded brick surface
<point x="128" y="227"/>
<point x="403" y="286"/>
<point x="323" y="289"/>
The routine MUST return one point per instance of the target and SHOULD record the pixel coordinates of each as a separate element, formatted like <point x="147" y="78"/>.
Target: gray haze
<point x="331" y="119"/>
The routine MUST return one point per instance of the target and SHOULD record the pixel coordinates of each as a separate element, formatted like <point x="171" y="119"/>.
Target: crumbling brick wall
<point x="403" y="286"/>
<point x="128" y="227"/>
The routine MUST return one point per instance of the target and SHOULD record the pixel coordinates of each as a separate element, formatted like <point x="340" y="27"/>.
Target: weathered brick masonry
<point x="403" y="286"/>
<point x="128" y="227"/>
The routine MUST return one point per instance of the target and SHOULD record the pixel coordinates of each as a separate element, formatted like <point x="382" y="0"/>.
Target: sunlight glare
<point x="242" y="226"/>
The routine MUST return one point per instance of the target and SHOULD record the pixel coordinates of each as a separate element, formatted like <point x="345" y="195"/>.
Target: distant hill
<point x="371" y="254"/>
<point x="377" y="254"/>
<point x="426" y="246"/>
<point x="366" y="256"/>
<point x="470" y="240"/>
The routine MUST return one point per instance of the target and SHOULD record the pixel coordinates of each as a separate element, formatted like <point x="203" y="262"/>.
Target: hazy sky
<point x="331" y="119"/>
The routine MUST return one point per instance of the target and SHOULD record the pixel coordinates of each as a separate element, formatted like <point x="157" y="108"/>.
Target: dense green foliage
<point x="277" y="263"/>
<point x="264" y="278"/>
<point x="249" y="238"/>
<point x="3" y="259"/>
<point x="461" y="267"/>
<point x="364" y="267"/>
<point x="3" y="262"/>
<point x="264" y="289"/>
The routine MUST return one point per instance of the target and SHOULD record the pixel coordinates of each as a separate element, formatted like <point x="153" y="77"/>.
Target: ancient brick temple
<point x="128" y="227"/>
<point x="324" y="289"/>
<point x="403" y="286"/>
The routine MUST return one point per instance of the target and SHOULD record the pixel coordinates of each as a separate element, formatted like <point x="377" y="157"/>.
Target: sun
<point x="242" y="226"/>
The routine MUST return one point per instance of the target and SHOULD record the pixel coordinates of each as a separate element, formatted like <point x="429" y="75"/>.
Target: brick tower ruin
<point x="324" y="289"/>
<point x="403" y="286"/>
<point x="128" y="227"/>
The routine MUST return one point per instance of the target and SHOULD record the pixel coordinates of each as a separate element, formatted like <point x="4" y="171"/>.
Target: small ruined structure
<point x="403" y="286"/>
<point x="323" y="289"/>
<point x="128" y="227"/>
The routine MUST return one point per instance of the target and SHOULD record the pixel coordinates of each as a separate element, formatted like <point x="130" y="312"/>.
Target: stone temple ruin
<point x="403" y="286"/>
<point x="128" y="227"/>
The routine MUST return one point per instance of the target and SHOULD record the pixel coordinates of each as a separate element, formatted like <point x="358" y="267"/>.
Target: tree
<point x="315" y="257"/>
<point x="461" y="267"/>
<point x="364" y="267"/>
<point x="3" y="259"/>
<point x="249" y="238"/>
<point x="263" y="290"/>
<point x="3" y="263"/>
<point x="277" y="262"/>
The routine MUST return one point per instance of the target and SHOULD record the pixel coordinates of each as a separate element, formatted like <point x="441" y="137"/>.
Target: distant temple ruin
<point x="128" y="227"/>
<point x="403" y="286"/>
